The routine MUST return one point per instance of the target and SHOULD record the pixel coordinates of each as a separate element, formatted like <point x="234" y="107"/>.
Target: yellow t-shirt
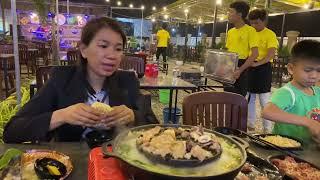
<point x="163" y="37"/>
<point x="241" y="40"/>
<point x="267" y="40"/>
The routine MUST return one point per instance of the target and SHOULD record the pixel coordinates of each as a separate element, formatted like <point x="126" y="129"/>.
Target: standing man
<point x="243" y="40"/>
<point x="163" y="38"/>
<point x="260" y="74"/>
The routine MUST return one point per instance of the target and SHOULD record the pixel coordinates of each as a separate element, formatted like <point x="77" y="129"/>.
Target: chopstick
<point x="285" y="151"/>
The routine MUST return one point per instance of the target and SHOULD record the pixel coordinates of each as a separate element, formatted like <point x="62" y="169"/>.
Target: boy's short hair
<point x="164" y="26"/>
<point x="306" y="50"/>
<point x="258" y="14"/>
<point x="241" y="7"/>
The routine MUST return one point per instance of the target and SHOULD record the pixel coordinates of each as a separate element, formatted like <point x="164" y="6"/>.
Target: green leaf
<point x="8" y="155"/>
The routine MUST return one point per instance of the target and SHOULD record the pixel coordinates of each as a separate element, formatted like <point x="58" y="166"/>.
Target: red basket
<point x="100" y="168"/>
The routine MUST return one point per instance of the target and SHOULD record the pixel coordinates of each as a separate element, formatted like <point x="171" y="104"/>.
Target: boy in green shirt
<point x="296" y="107"/>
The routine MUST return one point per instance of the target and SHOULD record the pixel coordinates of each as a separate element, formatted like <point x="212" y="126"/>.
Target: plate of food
<point x="282" y="141"/>
<point x="179" y="146"/>
<point x="295" y="168"/>
<point x="38" y="164"/>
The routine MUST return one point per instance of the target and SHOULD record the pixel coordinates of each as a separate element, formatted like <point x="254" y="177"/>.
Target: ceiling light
<point x="164" y="8"/>
<point x="107" y="0"/>
<point x="154" y="8"/>
<point x="306" y="6"/>
<point x="166" y="16"/>
<point x="131" y="5"/>
<point x="153" y="20"/>
<point x="186" y="11"/>
<point x="119" y="3"/>
<point x="142" y="7"/>
<point x="218" y="2"/>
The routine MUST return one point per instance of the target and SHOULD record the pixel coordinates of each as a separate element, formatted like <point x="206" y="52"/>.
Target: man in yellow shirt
<point x="163" y="38"/>
<point x="260" y="74"/>
<point x="243" y="40"/>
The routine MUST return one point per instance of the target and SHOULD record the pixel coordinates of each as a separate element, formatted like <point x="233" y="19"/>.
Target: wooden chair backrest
<point x="135" y="63"/>
<point x="73" y="56"/>
<point x="212" y="109"/>
<point x="42" y="75"/>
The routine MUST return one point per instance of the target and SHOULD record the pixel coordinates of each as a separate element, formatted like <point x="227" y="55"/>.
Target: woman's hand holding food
<point x="78" y="114"/>
<point x="119" y="115"/>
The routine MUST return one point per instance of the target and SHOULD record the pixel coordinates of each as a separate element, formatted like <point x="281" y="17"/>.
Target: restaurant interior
<point x="170" y="103"/>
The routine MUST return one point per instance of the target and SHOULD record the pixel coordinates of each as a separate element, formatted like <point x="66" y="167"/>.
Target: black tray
<point x="298" y="160"/>
<point x="268" y="147"/>
<point x="262" y="167"/>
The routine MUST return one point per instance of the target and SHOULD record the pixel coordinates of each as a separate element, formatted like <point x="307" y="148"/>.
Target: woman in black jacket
<point x="61" y="109"/>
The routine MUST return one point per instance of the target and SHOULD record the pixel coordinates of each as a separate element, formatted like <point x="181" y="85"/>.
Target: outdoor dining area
<point x="159" y="90"/>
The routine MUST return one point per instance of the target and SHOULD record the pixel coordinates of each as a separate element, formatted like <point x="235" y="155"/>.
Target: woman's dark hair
<point x="258" y="14"/>
<point x="306" y="50"/>
<point x="241" y="7"/>
<point x="95" y="25"/>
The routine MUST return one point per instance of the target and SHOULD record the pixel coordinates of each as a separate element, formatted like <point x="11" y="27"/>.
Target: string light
<point x="107" y="0"/>
<point x="142" y="7"/>
<point x="186" y="11"/>
<point x="153" y="20"/>
<point x="154" y="8"/>
<point x="306" y="6"/>
<point x="131" y="5"/>
<point x="119" y="3"/>
<point x="166" y="16"/>
<point x="164" y="8"/>
<point x="219" y="2"/>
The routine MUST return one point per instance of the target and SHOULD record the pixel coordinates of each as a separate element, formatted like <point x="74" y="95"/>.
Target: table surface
<point x="33" y="49"/>
<point x="79" y="152"/>
<point x="6" y="55"/>
<point x="163" y="82"/>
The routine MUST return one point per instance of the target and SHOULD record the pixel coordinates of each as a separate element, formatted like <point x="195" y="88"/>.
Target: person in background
<point x="296" y="106"/>
<point x="243" y="40"/>
<point x="260" y="73"/>
<point x="62" y="110"/>
<point x="163" y="38"/>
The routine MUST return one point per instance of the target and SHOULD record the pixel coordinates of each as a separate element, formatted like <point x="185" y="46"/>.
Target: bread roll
<point x="101" y="107"/>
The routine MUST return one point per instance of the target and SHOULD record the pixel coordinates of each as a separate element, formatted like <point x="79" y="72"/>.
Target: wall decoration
<point x="60" y="19"/>
<point x="24" y="20"/>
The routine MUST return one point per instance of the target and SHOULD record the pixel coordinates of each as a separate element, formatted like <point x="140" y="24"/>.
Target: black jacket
<point x="67" y="86"/>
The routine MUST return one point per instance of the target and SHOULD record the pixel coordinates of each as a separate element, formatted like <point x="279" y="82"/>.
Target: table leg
<point x="170" y="104"/>
<point x="175" y="107"/>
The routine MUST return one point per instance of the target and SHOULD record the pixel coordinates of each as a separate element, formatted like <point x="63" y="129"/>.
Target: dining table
<point x="79" y="154"/>
<point x="167" y="82"/>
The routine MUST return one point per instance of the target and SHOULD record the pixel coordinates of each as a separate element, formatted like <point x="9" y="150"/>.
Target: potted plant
<point x="9" y="108"/>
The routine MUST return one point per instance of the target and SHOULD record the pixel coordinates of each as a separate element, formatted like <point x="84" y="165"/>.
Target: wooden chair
<point x="24" y="58"/>
<point x="7" y="68"/>
<point x="73" y="56"/>
<point x="42" y="75"/>
<point x="212" y="109"/>
<point x="6" y="49"/>
<point x="133" y="63"/>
